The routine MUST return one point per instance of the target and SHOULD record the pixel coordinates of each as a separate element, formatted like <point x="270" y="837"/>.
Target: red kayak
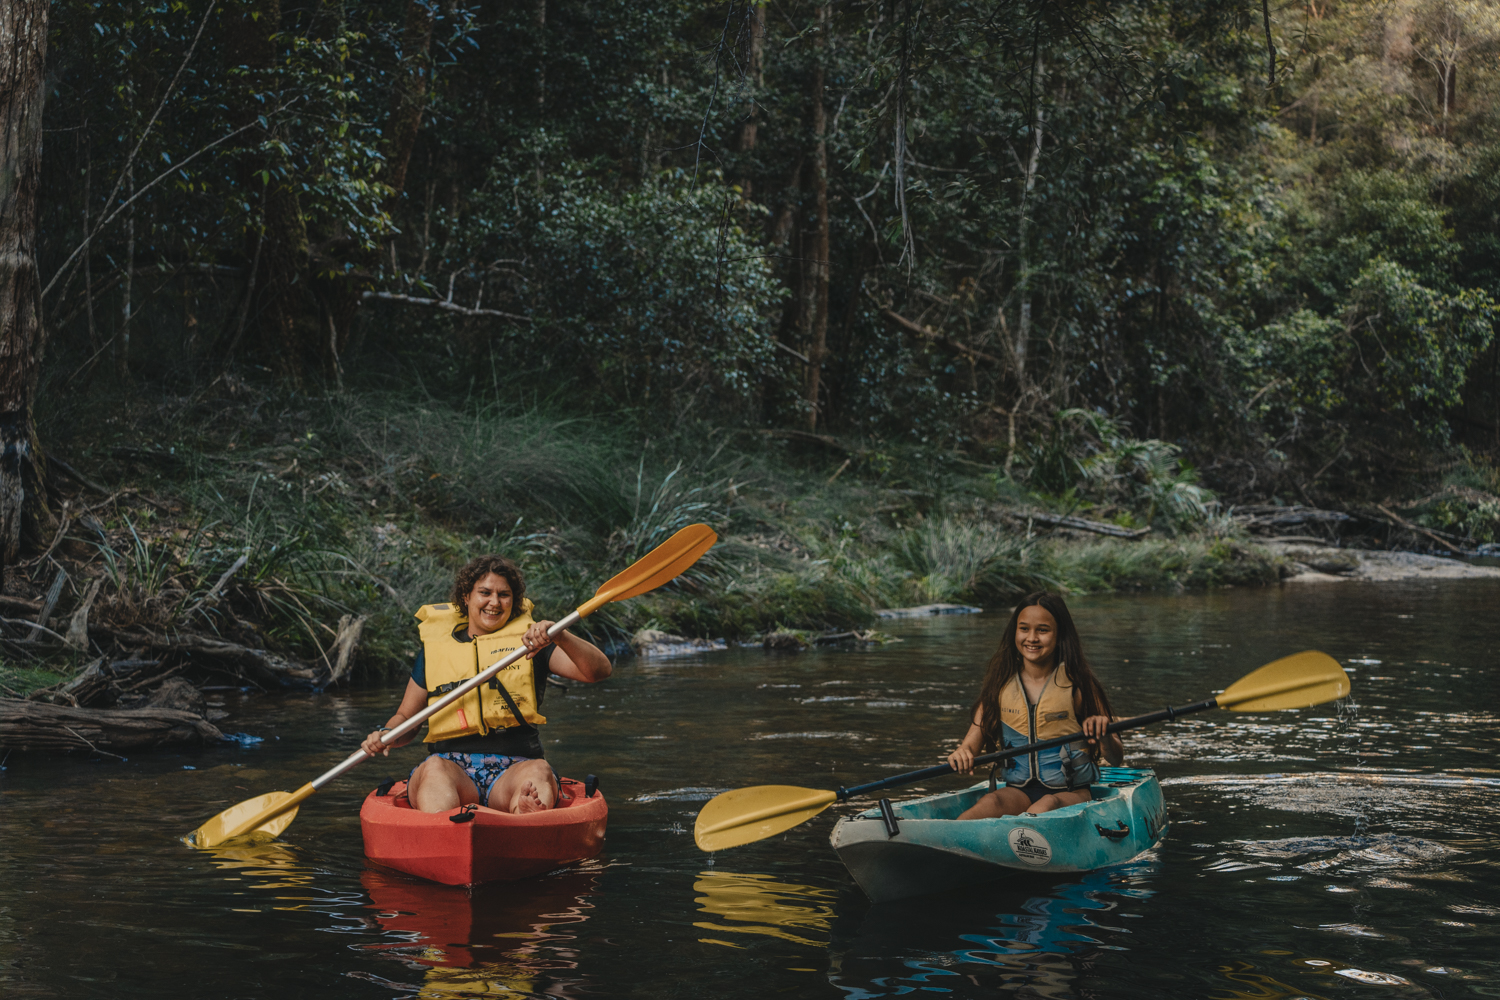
<point x="474" y="843"/>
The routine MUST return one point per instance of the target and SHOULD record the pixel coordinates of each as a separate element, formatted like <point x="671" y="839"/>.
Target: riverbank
<point x="234" y="538"/>
<point x="1314" y="564"/>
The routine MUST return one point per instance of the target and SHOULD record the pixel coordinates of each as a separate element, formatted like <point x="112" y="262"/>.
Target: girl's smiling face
<point x="1036" y="637"/>
<point x="489" y="604"/>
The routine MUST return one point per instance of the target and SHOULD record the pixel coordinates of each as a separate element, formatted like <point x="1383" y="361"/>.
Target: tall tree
<point x="23" y="57"/>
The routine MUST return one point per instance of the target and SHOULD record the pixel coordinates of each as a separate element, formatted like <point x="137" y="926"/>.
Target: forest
<point x="303" y="303"/>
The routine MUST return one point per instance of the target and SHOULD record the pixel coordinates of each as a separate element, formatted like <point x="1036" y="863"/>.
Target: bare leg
<point x="1004" y="801"/>
<point x="1057" y="800"/>
<point x="438" y="785"/>
<point x="529" y="786"/>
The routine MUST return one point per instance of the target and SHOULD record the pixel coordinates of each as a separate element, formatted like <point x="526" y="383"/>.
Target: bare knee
<point x="438" y="785"/>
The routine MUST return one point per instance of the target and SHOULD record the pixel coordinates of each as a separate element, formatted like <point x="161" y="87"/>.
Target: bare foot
<point x="527" y="800"/>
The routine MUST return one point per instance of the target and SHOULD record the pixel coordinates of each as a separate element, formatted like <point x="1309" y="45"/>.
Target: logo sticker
<point x="1030" y="846"/>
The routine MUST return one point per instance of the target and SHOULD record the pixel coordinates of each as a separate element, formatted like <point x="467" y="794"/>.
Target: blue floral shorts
<point x="483" y="768"/>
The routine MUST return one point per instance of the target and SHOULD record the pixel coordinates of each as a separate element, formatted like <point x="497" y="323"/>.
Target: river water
<point x="1349" y="850"/>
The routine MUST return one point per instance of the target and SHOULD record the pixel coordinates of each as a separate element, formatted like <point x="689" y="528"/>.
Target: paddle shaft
<point x="938" y="770"/>
<point x="396" y="732"/>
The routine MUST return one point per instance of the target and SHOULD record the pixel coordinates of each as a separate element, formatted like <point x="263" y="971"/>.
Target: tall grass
<point x="365" y="503"/>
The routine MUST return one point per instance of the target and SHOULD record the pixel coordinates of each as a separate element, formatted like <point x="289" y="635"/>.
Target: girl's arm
<point x="1094" y="726"/>
<point x="412" y="702"/>
<point x="962" y="759"/>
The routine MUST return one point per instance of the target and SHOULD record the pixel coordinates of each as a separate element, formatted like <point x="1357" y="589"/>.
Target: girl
<point x="485" y="748"/>
<point x="1039" y="685"/>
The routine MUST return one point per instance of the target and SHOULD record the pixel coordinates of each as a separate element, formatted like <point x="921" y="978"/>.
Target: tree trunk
<point x="23" y="59"/>
<point x="342" y="295"/>
<point x="818" y="333"/>
<point x="409" y="99"/>
<point x="539" y="39"/>
<point x="1023" y="276"/>
<point x="278" y="252"/>
<point x="756" y="77"/>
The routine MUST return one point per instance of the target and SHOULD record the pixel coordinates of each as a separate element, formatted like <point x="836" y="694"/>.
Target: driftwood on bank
<point x="35" y="725"/>
<point x="1078" y="524"/>
<point x="1269" y="517"/>
<point x="259" y="665"/>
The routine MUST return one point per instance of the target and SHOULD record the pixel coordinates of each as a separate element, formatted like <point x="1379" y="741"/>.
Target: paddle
<point x="273" y="812"/>
<point x="745" y="815"/>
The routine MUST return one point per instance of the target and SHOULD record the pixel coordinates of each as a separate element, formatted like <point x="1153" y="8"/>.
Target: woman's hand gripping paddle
<point x="273" y="812"/>
<point x="745" y="815"/>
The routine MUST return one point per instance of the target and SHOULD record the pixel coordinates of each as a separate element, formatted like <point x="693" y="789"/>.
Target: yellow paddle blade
<point x="266" y="814"/>
<point x="745" y="815"/>
<point x="1297" y="681"/>
<point x="661" y="564"/>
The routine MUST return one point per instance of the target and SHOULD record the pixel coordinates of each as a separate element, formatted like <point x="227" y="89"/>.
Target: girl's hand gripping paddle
<point x="273" y="812"/>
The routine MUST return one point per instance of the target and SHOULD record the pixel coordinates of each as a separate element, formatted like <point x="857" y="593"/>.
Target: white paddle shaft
<point x="396" y="732"/>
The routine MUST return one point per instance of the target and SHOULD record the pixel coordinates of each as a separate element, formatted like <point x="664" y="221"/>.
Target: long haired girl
<point x="1038" y="686"/>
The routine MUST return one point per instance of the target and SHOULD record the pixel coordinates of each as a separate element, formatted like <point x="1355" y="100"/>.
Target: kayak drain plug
<point x="888" y="817"/>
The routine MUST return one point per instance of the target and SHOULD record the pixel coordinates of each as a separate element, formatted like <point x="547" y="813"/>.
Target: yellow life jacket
<point x="450" y="663"/>
<point x="1067" y="766"/>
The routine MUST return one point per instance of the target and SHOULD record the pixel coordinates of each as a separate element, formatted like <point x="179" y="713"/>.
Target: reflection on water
<point x="758" y="904"/>
<point x="503" y="940"/>
<point x="1041" y="946"/>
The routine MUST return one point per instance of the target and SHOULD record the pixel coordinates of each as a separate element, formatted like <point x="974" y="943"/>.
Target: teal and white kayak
<point x="932" y="850"/>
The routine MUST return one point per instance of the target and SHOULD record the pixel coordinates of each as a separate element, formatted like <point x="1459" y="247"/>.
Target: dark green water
<point x="1340" y="851"/>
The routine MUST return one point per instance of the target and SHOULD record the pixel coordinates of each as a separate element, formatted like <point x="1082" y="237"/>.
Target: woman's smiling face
<point x="489" y="604"/>
<point x="1036" y="636"/>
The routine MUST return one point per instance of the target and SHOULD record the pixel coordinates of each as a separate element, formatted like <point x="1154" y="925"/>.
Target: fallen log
<point x="1078" y="524"/>
<point x="1255" y="516"/>
<point x="259" y="665"/>
<point x="34" y="725"/>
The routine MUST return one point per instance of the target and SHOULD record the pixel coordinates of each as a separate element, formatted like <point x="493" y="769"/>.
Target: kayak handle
<point x="938" y="770"/>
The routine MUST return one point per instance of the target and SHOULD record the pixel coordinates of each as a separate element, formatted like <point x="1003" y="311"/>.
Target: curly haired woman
<point x="486" y="748"/>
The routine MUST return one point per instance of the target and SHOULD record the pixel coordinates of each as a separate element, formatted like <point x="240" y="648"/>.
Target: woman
<point x="486" y="748"/>
<point x="1039" y="685"/>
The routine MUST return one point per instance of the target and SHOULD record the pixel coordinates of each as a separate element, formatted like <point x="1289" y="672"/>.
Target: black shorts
<point x="1034" y="790"/>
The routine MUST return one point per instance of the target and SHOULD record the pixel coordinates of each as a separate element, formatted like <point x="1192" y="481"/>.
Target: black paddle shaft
<point x="937" y="771"/>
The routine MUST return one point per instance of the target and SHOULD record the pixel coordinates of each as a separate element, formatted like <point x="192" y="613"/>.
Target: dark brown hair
<point x="1006" y="664"/>
<point x="475" y="570"/>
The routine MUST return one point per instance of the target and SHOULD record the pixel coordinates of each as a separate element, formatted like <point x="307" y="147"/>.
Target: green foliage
<point x="663" y="308"/>
<point x="1157" y="564"/>
<point x="1087" y="457"/>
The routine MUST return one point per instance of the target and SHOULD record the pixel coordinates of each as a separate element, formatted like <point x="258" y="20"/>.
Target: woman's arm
<point x="962" y="759"/>
<point x="574" y="658"/>
<point x="412" y="702"/>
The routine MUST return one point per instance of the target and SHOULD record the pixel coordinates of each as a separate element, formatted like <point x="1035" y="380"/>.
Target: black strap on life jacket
<point x="510" y="703"/>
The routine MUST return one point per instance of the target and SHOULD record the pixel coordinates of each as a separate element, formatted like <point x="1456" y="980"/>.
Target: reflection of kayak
<point x="932" y="850"/>
<point x="453" y="927"/>
<point x="504" y="939"/>
<point x="479" y="844"/>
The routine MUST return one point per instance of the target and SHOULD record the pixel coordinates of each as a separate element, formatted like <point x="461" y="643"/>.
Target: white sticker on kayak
<point x="1030" y="846"/>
